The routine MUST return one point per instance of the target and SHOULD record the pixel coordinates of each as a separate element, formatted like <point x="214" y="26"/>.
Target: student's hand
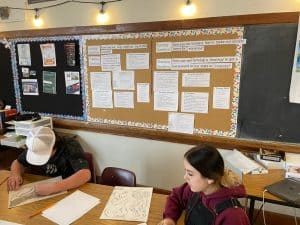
<point x="45" y="188"/>
<point x="166" y="221"/>
<point x="14" y="182"/>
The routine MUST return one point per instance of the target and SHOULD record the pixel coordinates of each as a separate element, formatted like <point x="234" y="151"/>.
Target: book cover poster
<point x="49" y="82"/>
<point x="72" y="82"/>
<point x="48" y="54"/>
<point x="30" y="87"/>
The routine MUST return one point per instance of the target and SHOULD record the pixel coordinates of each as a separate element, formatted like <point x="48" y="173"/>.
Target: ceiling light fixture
<point x="102" y="16"/>
<point x="37" y="21"/>
<point x="189" y="9"/>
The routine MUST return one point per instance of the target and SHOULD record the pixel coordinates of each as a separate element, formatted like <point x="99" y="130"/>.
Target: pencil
<point x="5" y="179"/>
<point x="37" y="212"/>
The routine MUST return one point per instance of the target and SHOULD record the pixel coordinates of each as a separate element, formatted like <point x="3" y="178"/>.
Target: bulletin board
<point x="65" y="99"/>
<point x="216" y="52"/>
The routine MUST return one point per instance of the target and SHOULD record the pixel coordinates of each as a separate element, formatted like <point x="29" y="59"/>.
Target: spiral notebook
<point x="287" y="189"/>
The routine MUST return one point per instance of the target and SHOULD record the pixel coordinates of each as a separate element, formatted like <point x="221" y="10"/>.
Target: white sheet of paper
<point x="163" y="47"/>
<point x="181" y="63"/>
<point x="128" y="203"/>
<point x="196" y="102"/>
<point x="100" y="81"/>
<point x="221" y="98"/>
<point x="71" y="208"/>
<point x="219" y="66"/>
<point x="181" y="122"/>
<point x="176" y="46"/>
<point x="102" y="99"/>
<point x="136" y="61"/>
<point x="110" y="62"/>
<point x="94" y="61"/>
<point x="195" y="46"/>
<point x="143" y="92"/>
<point x="94" y="50"/>
<point x="294" y="95"/>
<point x="24" y="54"/>
<point x="4" y="222"/>
<point x="25" y="194"/>
<point x="166" y="81"/>
<point x="123" y="99"/>
<point x="123" y="80"/>
<point x="166" y="101"/>
<point x="163" y="64"/>
<point x="195" y="79"/>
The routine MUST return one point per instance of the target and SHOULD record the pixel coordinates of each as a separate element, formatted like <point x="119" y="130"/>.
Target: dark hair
<point x="207" y="160"/>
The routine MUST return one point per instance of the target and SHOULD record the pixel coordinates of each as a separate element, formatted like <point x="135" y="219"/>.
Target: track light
<point x="38" y="22"/>
<point x="188" y="9"/>
<point x="102" y="16"/>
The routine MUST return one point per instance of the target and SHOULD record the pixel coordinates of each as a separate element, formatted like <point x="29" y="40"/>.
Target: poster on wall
<point x="295" y="81"/>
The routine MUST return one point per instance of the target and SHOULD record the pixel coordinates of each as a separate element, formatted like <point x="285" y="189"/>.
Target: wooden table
<point x="255" y="185"/>
<point x="20" y="214"/>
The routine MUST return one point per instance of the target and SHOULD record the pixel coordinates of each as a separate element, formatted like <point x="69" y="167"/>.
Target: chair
<point x="118" y="177"/>
<point x="89" y="157"/>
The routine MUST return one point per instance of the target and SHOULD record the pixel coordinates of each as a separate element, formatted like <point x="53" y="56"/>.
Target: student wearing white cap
<point x="52" y="156"/>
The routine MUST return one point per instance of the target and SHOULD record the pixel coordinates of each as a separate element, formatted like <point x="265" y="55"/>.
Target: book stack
<point x="270" y="159"/>
<point x="240" y="164"/>
<point x="24" y="127"/>
<point x="271" y="155"/>
<point x="269" y="164"/>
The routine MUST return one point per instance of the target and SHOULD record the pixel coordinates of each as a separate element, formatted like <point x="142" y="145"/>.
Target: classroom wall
<point x="155" y="163"/>
<point x="134" y="11"/>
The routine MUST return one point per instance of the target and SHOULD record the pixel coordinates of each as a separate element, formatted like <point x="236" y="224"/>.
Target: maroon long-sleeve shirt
<point x="178" y="199"/>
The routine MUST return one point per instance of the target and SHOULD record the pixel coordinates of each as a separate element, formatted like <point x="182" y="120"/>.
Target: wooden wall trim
<point x="269" y="18"/>
<point x="220" y="142"/>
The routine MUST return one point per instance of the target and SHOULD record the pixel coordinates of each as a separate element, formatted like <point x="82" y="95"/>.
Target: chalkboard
<point x="7" y="91"/>
<point x="59" y="104"/>
<point x="264" y="109"/>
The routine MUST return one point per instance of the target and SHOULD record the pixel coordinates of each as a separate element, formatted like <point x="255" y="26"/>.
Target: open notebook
<point x="288" y="189"/>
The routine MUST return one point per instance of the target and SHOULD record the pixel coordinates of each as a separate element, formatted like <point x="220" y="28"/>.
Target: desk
<point x="255" y="185"/>
<point x="20" y="214"/>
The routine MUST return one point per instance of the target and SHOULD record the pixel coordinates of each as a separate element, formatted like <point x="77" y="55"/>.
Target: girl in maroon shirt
<point x="210" y="193"/>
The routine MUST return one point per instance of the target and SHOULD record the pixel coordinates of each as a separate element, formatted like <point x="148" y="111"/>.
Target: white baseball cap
<point x="40" y="142"/>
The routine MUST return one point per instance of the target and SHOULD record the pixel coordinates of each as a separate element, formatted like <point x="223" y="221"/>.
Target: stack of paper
<point x="16" y="141"/>
<point x="241" y="164"/>
<point x="71" y="208"/>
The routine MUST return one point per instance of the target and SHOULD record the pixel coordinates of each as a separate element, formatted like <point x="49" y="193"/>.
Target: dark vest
<point x="198" y="214"/>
